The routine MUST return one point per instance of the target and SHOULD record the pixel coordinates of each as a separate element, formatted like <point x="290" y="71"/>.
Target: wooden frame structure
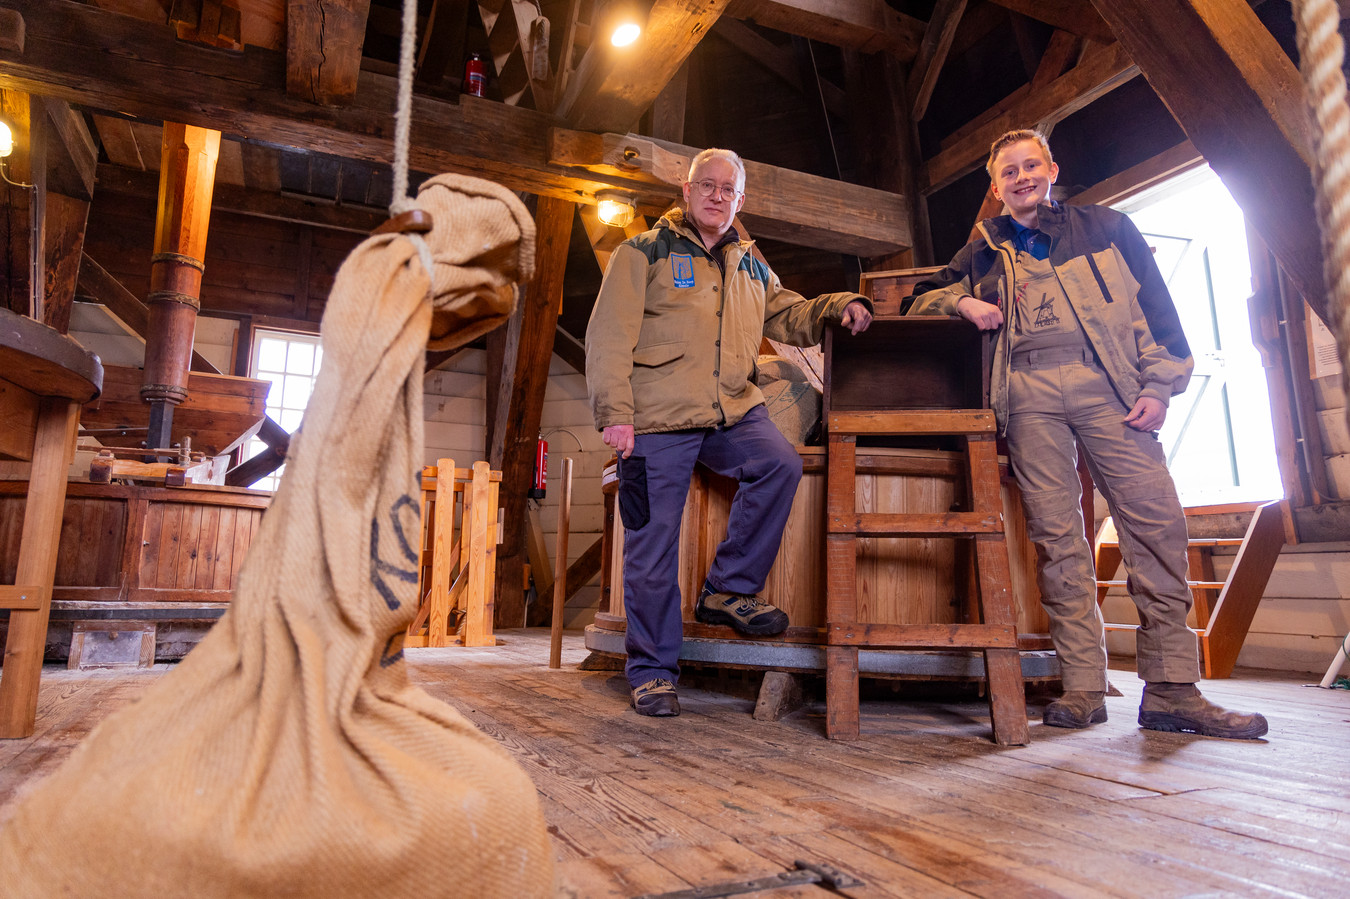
<point x="457" y="558"/>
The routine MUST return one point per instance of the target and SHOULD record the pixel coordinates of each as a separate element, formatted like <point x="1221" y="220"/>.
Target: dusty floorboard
<point x="922" y="805"/>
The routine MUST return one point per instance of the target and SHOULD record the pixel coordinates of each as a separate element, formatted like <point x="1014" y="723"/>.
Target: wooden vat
<point x="141" y="554"/>
<point x="899" y="580"/>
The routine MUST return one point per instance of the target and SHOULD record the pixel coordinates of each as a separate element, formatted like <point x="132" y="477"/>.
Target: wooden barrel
<point x="899" y="580"/>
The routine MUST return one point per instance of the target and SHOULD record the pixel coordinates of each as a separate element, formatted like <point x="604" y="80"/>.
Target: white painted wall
<point x="456" y="405"/>
<point x="1302" y="617"/>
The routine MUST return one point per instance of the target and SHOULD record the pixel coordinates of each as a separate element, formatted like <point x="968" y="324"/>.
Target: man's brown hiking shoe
<point x="748" y="614"/>
<point x="1180" y="708"/>
<point x="656" y="698"/>
<point x="1076" y="709"/>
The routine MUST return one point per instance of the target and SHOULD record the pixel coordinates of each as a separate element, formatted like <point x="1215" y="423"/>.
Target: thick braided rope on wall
<point x="1321" y="56"/>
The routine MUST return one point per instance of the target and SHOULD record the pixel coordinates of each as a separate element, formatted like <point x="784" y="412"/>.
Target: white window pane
<point x="271" y="354"/>
<point x="296" y="390"/>
<point x="290" y="419"/>
<point x="300" y="359"/>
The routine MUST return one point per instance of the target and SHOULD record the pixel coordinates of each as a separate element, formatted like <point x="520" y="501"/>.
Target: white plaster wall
<point x="456" y="406"/>
<point x="1300" y="622"/>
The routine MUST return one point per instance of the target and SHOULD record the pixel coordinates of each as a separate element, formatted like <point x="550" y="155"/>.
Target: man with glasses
<point x="670" y="366"/>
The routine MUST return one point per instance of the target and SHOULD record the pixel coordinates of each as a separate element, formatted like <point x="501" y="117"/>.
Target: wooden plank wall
<point x="254" y="266"/>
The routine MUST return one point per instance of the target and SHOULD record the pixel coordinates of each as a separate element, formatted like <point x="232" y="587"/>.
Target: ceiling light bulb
<point x="615" y="208"/>
<point x="625" y="34"/>
<point x="6" y="140"/>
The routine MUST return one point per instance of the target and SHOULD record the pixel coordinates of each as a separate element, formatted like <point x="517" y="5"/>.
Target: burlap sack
<point x="288" y="754"/>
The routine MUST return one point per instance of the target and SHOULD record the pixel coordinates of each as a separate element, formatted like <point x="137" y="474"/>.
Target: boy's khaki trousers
<point x="1055" y="397"/>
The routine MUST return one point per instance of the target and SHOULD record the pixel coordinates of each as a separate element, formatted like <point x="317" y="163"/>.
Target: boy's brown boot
<point x="1181" y="708"/>
<point x="1077" y="709"/>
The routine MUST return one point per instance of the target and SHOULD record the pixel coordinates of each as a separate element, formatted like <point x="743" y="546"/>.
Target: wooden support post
<point x="442" y="563"/>
<point x="520" y="401"/>
<point x="482" y="512"/>
<point x="53" y="448"/>
<point x="560" y="567"/>
<point x="187" y="180"/>
<point x="63" y="233"/>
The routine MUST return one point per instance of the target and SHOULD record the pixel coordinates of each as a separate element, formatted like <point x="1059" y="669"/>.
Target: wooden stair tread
<point x="1204" y="585"/>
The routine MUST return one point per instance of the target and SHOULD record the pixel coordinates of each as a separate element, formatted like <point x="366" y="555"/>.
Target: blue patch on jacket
<point x="682" y="269"/>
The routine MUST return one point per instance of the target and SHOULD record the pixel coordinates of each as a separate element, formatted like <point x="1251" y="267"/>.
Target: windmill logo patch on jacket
<point x="682" y="269"/>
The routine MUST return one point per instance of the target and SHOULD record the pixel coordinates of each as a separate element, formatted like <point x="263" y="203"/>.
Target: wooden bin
<point x="900" y="581"/>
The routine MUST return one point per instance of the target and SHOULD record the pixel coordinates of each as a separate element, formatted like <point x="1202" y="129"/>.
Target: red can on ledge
<point x="475" y="75"/>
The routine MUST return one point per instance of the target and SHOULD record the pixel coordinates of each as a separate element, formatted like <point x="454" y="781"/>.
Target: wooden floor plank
<point x="924" y="804"/>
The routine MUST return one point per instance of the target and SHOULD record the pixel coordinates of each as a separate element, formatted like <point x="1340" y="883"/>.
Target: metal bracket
<point x="827" y="876"/>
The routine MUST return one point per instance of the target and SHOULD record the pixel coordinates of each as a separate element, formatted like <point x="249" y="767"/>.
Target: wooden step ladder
<point x="1223" y="609"/>
<point x="916" y="374"/>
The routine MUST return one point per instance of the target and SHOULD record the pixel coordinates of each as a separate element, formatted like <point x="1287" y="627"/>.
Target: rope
<point x="399" y="199"/>
<point x="1321" y="55"/>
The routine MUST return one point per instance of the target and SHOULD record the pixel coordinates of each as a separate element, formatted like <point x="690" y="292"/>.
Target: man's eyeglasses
<point x="708" y="188"/>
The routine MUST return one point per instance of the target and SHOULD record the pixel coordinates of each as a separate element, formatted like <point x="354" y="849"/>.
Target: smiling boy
<point x="1089" y="351"/>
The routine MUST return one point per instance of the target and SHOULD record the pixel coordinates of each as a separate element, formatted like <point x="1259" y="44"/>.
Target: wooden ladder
<point x="996" y="635"/>
<point x="1221" y="623"/>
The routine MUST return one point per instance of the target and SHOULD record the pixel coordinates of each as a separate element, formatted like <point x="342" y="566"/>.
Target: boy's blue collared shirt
<point x="1031" y="240"/>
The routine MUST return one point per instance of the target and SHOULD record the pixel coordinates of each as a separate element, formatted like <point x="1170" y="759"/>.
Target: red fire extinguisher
<point x="475" y="75"/>
<point x="540" y="484"/>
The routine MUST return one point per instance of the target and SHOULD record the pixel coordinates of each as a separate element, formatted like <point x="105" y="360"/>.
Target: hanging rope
<point x="1321" y="55"/>
<point x="399" y="200"/>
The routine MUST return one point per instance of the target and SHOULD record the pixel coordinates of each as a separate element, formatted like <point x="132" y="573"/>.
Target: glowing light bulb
<point x="625" y="34"/>
<point x="614" y="209"/>
<point x="6" y="140"/>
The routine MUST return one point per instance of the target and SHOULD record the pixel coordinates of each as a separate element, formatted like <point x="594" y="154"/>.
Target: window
<point x="291" y="362"/>
<point x="1218" y="435"/>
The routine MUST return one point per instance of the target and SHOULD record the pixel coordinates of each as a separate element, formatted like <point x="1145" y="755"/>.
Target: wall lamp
<point x="615" y="208"/>
<point x="6" y="148"/>
<point x="624" y="21"/>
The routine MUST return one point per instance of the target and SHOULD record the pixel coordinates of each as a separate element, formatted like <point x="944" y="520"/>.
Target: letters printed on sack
<point x="682" y="269"/>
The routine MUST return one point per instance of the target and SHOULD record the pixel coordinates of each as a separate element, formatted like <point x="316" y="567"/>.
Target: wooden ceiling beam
<point x="119" y="142"/>
<point x="937" y="41"/>
<point x="779" y="60"/>
<point x="1098" y="73"/>
<point x="1155" y="170"/>
<point x="323" y="49"/>
<point x="80" y="150"/>
<point x="1240" y="100"/>
<point x="613" y="86"/>
<point x="1074" y="16"/>
<point x="242" y="201"/>
<point x="101" y="60"/>
<point x="779" y="203"/>
<point x="867" y="25"/>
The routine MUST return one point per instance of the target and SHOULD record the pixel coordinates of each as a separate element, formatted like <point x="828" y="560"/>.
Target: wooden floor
<point x="922" y="805"/>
